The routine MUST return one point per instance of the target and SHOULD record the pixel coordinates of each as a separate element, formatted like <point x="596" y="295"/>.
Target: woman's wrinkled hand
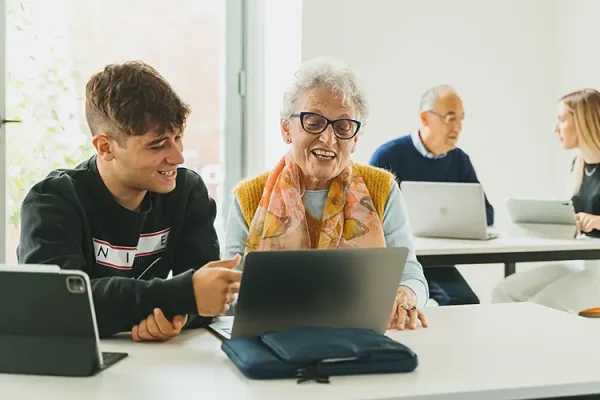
<point x="405" y="313"/>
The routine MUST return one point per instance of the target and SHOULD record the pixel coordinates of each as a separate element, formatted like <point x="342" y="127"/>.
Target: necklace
<point x="590" y="173"/>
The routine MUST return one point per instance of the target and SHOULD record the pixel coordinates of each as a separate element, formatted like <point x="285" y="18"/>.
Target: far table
<point x="507" y="250"/>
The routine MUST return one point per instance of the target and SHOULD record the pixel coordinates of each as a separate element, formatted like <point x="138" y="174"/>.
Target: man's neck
<point x="430" y="147"/>
<point x="126" y="197"/>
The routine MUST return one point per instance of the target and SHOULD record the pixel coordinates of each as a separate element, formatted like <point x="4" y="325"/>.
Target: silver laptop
<point x="350" y="288"/>
<point x="533" y="211"/>
<point x="446" y="210"/>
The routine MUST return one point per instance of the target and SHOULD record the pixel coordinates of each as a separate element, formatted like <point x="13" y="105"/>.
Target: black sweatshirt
<point x="70" y="219"/>
<point x="588" y="199"/>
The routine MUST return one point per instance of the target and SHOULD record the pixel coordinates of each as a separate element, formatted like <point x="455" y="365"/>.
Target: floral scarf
<point x="349" y="218"/>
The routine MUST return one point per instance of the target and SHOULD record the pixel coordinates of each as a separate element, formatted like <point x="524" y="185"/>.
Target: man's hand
<point x="587" y="222"/>
<point x="405" y="311"/>
<point x="157" y="327"/>
<point x="215" y="286"/>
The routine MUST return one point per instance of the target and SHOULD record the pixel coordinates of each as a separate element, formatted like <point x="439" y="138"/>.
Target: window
<point x="53" y="47"/>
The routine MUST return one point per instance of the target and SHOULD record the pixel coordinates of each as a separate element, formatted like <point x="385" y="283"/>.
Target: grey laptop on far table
<point x="349" y="288"/>
<point x="537" y="211"/>
<point x="446" y="210"/>
<point x="553" y="219"/>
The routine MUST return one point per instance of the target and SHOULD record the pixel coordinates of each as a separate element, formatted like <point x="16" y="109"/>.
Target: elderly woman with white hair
<point x="316" y="196"/>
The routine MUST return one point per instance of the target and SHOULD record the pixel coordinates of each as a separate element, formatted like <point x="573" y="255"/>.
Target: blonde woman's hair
<point x="584" y="105"/>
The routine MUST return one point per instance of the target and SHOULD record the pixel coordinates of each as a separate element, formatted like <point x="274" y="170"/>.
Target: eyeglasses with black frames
<point x="316" y="124"/>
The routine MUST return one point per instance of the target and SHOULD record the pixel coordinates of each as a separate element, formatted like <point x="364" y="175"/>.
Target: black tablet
<point x="48" y="325"/>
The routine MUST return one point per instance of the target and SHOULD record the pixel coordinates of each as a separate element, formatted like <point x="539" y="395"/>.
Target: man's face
<point x="149" y="162"/>
<point x="444" y="122"/>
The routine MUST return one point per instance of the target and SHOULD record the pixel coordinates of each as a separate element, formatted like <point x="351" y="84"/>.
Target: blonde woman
<point x="570" y="286"/>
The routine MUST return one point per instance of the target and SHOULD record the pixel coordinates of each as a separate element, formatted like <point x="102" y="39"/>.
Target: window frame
<point x="231" y="140"/>
<point x="3" y="158"/>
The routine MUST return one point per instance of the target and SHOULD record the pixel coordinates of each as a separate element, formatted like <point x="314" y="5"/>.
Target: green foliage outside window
<point x="42" y="92"/>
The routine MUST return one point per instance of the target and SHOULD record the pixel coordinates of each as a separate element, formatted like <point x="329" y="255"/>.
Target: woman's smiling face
<point x="321" y="157"/>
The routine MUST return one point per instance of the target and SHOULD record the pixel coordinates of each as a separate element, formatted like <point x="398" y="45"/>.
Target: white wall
<point x="577" y="55"/>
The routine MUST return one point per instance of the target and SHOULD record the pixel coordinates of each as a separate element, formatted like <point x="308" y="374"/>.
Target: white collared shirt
<point x="420" y="146"/>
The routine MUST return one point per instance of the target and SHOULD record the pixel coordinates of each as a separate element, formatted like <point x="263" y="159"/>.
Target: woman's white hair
<point x="327" y="72"/>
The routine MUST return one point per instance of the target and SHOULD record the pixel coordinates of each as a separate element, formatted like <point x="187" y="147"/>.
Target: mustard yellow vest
<point x="377" y="180"/>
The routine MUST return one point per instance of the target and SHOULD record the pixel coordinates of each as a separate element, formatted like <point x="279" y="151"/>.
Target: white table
<point x="507" y="250"/>
<point x="542" y="353"/>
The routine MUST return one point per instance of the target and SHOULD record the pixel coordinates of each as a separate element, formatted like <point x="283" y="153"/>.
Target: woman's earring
<point x="287" y="140"/>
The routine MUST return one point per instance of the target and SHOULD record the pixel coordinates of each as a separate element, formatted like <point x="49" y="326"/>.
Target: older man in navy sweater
<point x="430" y="154"/>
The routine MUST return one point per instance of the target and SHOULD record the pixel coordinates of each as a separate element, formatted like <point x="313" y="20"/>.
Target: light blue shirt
<point x="420" y="146"/>
<point x="395" y="228"/>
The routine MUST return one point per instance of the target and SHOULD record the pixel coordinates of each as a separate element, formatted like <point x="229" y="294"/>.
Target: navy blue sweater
<point x="401" y="157"/>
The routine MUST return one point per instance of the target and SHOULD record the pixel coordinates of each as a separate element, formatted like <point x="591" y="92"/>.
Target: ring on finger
<point x="407" y="309"/>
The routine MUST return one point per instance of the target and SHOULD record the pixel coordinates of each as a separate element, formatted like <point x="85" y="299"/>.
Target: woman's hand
<point x="405" y="312"/>
<point x="587" y="222"/>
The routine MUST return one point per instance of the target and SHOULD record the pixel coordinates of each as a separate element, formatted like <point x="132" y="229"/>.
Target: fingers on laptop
<point x="229" y="263"/>
<point x="156" y="327"/>
<point x="230" y="295"/>
<point x="234" y="287"/>
<point x="233" y="276"/>
<point x="229" y="298"/>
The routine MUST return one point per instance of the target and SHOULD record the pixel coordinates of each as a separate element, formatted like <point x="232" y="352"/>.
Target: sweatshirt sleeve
<point x="51" y="233"/>
<point x="198" y="244"/>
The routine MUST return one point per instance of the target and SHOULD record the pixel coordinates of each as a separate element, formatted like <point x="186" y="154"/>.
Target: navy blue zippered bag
<point x="316" y="353"/>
